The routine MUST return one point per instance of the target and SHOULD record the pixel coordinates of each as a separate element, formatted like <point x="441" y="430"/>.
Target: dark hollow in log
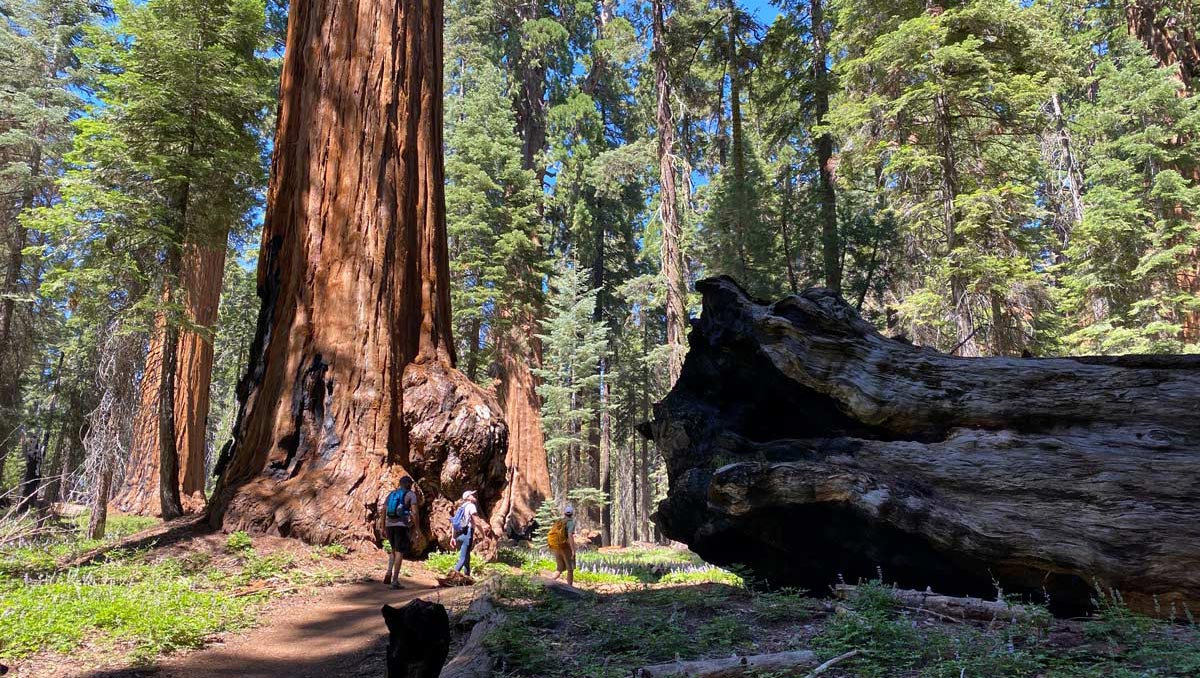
<point x="418" y="639"/>
<point x="804" y="445"/>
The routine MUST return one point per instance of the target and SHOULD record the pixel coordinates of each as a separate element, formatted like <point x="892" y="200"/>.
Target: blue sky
<point x="761" y="10"/>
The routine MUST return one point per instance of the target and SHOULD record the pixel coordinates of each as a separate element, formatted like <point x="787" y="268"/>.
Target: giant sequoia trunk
<point x="203" y="267"/>
<point x="351" y="383"/>
<point x="803" y="444"/>
<point x="528" y="482"/>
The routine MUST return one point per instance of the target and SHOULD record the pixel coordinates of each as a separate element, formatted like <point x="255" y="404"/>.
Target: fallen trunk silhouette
<point x="804" y="445"/>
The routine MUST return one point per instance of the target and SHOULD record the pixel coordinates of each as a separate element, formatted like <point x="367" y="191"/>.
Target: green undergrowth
<point x="616" y="567"/>
<point x="140" y="603"/>
<point x="606" y="635"/>
<point x="43" y="554"/>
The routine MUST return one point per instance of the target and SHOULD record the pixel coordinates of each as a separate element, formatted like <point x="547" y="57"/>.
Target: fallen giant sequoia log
<point x="804" y="445"/>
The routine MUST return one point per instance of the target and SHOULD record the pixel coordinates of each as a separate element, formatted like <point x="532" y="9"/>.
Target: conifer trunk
<point x="831" y="251"/>
<point x="960" y="302"/>
<point x="736" y="132"/>
<point x="528" y="482"/>
<point x="674" y="275"/>
<point x="518" y="350"/>
<point x="351" y="383"/>
<point x="13" y="356"/>
<point x="1169" y="32"/>
<point x="203" y="268"/>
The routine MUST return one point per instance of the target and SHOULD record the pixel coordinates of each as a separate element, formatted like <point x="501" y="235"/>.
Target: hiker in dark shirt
<point x="400" y="515"/>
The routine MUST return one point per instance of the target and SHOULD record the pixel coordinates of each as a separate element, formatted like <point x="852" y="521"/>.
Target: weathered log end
<point x="418" y="639"/>
<point x="805" y="446"/>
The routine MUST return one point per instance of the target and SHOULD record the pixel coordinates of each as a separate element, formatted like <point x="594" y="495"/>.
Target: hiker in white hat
<point x="462" y="528"/>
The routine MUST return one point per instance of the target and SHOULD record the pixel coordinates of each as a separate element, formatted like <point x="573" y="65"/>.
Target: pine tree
<point x="948" y="102"/>
<point x="1126" y="261"/>
<point x="166" y="164"/>
<point x="37" y="38"/>
<point x="574" y="344"/>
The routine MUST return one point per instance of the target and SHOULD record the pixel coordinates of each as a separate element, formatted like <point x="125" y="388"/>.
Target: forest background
<point x="987" y="177"/>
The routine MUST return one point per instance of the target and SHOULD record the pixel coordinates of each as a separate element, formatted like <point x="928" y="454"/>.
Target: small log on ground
<point x="729" y="667"/>
<point x="473" y="660"/>
<point x="959" y="608"/>
<point x="162" y="534"/>
<point x="561" y="588"/>
<point x="454" y="578"/>
<point x="804" y="445"/>
<point x="418" y="639"/>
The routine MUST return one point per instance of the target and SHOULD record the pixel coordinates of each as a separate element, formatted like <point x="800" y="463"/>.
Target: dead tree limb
<point x="729" y="667"/>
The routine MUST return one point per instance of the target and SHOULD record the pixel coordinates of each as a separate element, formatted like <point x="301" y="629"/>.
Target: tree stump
<point x="418" y="639"/>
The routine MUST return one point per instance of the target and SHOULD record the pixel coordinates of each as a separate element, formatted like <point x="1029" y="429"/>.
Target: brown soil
<point x="339" y="632"/>
<point x="325" y="632"/>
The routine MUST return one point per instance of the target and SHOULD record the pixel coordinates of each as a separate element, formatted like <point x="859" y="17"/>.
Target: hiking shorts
<point x="397" y="536"/>
<point x="563" y="561"/>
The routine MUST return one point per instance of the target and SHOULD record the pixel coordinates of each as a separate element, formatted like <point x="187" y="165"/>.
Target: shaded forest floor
<point x="215" y="604"/>
<point x="266" y="605"/>
<point x="612" y="633"/>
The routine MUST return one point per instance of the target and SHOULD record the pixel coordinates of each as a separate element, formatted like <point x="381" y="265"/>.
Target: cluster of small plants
<point x="141" y="603"/>
<point x="891" y="641"/>
<point x="610" y="634"/>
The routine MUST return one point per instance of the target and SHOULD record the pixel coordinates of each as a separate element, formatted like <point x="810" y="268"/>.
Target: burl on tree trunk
<point x="352" y="382"/>
<point x="806" y="446"/>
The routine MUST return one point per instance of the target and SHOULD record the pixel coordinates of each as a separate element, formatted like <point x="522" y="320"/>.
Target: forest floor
<point x="200" y="604"/>
<point x="231" y="605"/>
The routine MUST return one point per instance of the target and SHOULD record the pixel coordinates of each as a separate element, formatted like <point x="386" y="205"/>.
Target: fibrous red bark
<point x="351" y="383"/>
<point x="805" y="445"/>
<point x="1169" y="30"/>
<point x="203" y="266"/>
<point x="528" y="482"/>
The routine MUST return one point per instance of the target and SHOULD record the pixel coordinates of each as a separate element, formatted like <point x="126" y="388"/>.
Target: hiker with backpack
<point x="400" y="516"/>
<point x="561" y="540"/>
<point x="462" y="527"/>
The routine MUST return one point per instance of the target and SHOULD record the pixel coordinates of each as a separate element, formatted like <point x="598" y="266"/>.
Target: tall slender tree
<point x="673" y="272"/>
<point x="187" y="93"/>
<point x="37" y="38"/>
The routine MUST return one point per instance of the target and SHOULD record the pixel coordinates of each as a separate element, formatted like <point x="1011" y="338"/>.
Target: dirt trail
<point x="339" y="633"/>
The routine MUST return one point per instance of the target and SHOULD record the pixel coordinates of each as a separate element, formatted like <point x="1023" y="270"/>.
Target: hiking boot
<point x="387" y="578"/>
<point x="396" y="585"/>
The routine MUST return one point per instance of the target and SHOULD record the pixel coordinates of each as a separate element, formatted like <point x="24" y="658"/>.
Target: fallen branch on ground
<point x="730" y="666"/>
<point x="951" y="607"/>
<point x="473" y="660"/>
<point x="559" y="588"/>
<point x="831" y="663"/>
<point x="162" y="534"/>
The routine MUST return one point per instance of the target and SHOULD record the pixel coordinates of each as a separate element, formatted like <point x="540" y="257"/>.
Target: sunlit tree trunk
<point x="674" y="275"/>
<point x="351" y="383"/>
<point x="518" y="351"/>
<point x="203" y="267"/>
<point x="831" y="250"/>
